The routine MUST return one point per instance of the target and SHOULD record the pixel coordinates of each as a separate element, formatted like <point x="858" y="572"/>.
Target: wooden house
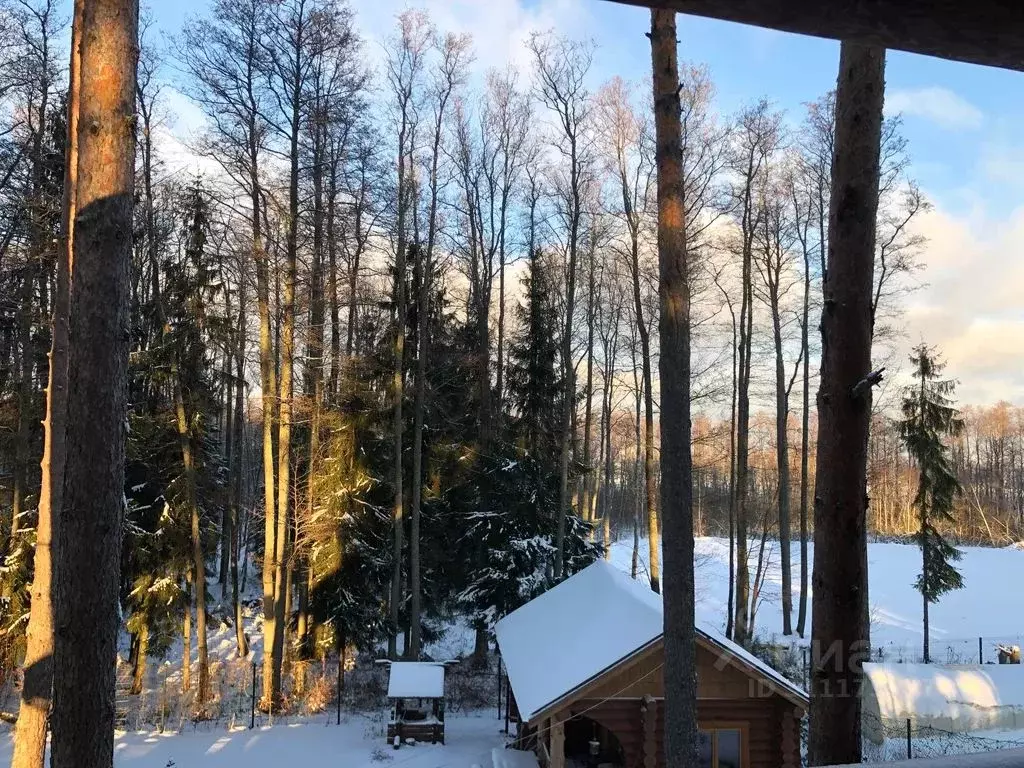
<point x="416" y="696"/>
<point x="585" y="663"/>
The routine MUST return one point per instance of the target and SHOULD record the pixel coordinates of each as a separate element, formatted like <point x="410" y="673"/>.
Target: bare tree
<point x="756" y="138"/>
<point x="562" y="66"/>
<point x="406" y="62"/>
<point x="628" y="140"/>
<point x="450" y="74"/>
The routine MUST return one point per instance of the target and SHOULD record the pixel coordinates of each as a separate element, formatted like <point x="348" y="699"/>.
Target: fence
<point x="310" y="690"/>
<point x="906" y="740"/>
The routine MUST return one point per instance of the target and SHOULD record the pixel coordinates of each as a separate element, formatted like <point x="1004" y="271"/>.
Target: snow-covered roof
<point x="965" y="697"/>
<point x="585" y="625"/>
<point x="416" y="680"/>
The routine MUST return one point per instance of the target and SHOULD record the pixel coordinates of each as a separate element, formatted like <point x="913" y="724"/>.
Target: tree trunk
<point x="89" y="531"/>
<point x="186" y="639"/>
<point x="801" y="619"/>
<point x="743" y="432"/>
<point x="198" y="558"/>
<point x="284" y="435"/>
<point x="238" y="425"/>
<point x="37" y="687"/>
<point x="676" y="461"/>
<point x="398" y="396"/>
<point x="589" y="473"/>
<point x="839" y="633"/>
<point x="782" y="467"/>
<point x="139" y="672"/>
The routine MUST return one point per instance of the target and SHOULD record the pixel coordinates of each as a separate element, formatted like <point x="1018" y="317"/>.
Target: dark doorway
<point x="588" y="744"/>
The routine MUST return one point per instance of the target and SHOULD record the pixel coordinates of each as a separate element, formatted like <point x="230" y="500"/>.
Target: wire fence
<point x="970" y="650"/>
<point x="311" y="690"/>
<point x="891" y="740"/>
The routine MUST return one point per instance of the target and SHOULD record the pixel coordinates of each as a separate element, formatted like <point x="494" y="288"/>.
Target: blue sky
<point x="962" y="122"/>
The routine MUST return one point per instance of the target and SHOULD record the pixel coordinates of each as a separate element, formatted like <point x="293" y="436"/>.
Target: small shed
<point x="585" y="664"/>
<point x="957" y="698"/>
<point x="416" y="695"/>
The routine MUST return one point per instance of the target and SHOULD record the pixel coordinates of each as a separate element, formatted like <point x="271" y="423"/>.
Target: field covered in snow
<point x="990" y="606"/>
<point x="356" y="743"/>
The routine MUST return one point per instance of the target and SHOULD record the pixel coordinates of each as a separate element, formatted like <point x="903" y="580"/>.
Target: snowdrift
<point x="986" y="697"/>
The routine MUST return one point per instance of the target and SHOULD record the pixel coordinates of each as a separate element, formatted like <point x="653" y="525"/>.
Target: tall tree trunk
<point x="650" y="482"/>
<point x="269" y="399"/>
<point x="37" y="687"/>
<point x="198" y="557"/>
<point x="238" y="425"/>
<point x="839" y="633"/>
<point x="186" y="638"/>
<point x="676" y="460"/>
<point x="89" y="531"/>
<point x="282" y="555"/>
<point x="743" y="440"/>
<point x="801" y="619"/>
<point x="782" y="468"/>
<point x="731" y="618"/>
<point x="590" y="473"/>
<point x="398" y="396"/>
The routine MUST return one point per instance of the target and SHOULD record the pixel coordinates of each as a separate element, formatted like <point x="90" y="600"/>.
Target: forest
<point x="393" y="351"/>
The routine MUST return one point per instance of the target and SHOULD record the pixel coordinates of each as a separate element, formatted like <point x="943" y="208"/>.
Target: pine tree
<point x="534" y="382"/>
<point x="928" y="417"/>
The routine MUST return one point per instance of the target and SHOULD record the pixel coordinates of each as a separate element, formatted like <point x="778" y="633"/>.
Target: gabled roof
<point x="588" y="624"/>
<point x="416" y="680"/>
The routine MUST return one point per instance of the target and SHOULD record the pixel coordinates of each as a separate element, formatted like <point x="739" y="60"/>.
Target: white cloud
<point x="499" y="27"/>
<point x="971" y="308"/>
<point x="939" y="105"/>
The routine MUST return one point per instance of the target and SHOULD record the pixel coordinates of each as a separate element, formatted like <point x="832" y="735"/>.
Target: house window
<point x="721" y="748"/>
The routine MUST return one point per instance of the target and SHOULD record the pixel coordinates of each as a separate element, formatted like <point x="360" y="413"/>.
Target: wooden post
<point x="910" y="743"/>
<point x="790" y="740"/>
<point x="557" y="744"/>
<point x="981" y="653"/>
<point x="649" y="716"/>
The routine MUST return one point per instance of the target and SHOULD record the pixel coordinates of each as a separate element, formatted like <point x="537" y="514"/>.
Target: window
<point x="721" y="748"/>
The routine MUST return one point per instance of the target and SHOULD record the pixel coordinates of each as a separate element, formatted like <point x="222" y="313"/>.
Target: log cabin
<point x="584" y="663"/>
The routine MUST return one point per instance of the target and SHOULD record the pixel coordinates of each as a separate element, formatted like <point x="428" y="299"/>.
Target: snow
<point x="988" y="607"/>
<point x="581" y="627"/>
<point x="513" y="758"/>
<point x="416" y="679"/>
<point x="357" y="743"/>
<point x="957" y="699"/>
<point x="584" y="625"/>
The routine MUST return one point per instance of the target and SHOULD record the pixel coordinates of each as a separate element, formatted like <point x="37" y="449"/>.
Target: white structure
<point x="988" y="697"/>
<point x="416" y="680"/>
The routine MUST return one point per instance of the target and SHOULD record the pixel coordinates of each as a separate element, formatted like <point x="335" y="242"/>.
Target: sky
<point x="962" y="123"/>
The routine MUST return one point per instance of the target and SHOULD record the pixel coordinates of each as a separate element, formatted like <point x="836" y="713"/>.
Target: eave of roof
<point x="778" y="685"/>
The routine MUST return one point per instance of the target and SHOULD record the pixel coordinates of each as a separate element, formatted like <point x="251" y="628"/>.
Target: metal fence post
<point x="910" y="746"/>
<point x="252" y="700"/>
<point x="981" y="654"/>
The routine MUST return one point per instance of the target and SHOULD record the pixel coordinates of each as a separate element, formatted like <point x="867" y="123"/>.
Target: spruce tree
<point x="534" y="382"/>
<point x="928" y="417"/>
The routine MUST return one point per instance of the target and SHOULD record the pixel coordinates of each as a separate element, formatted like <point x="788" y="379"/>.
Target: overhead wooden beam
<point x="989" y="32"/>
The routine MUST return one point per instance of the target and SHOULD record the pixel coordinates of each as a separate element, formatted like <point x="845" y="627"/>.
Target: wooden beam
<point x="989" y="32"/>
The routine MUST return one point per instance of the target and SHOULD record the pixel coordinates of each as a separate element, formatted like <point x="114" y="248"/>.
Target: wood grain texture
<point x="989" y="32"/>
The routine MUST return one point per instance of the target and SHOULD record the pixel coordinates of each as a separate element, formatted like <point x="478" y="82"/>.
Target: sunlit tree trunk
<point x="37" y="687"/>
<point x="89" y="530"/>
<point x="676" y="461"/>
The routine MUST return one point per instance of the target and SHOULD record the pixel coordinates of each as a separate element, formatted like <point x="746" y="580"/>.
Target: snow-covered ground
<point x="357" y="743"/>
<point x="990" y="606"/>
